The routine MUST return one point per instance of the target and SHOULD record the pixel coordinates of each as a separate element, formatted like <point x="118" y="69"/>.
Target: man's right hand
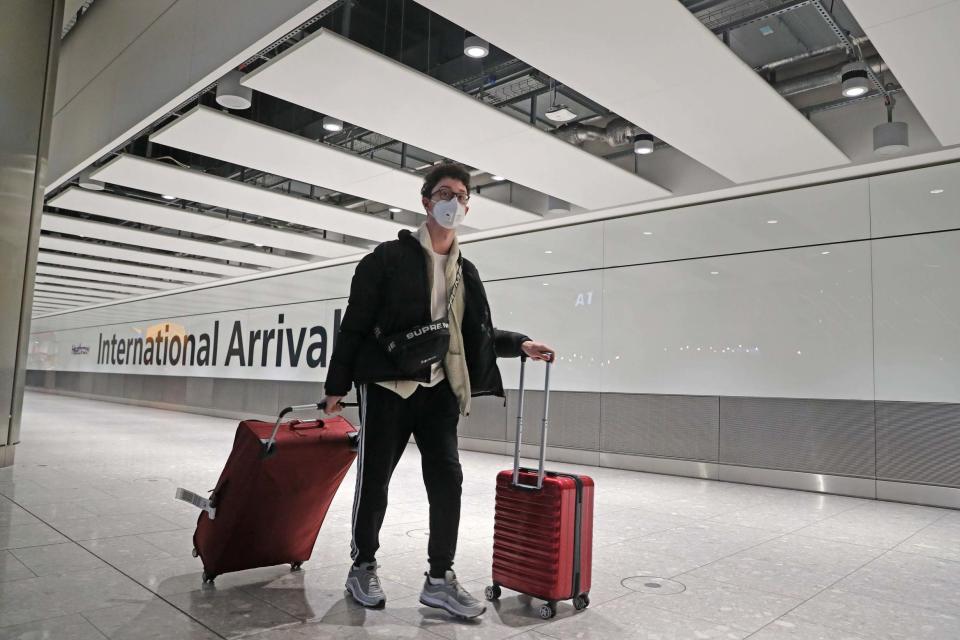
<point x="332" y="404"/>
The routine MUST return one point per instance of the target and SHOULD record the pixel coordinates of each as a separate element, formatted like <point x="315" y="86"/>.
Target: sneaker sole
<point x="443" y="604"/>
<point x="369" y="604"/>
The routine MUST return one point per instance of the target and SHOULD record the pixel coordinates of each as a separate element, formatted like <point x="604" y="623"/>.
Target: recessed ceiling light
<point x="648" y="233"/>
<point x="332" y="124"/>
<point x="772" y="221"/>
<point x="936" y="191"/>
<point x="497" y="178"/>
<point x="714" y="273"/>
<point x="546" y="284"/>
<point x="167" y="197"/>
<point x="560" y="113"/>
<point x="824" y="253"/>
<point x="395" y="209"/>
<point x="548" y="251"/>
<point x="476" y="47"/>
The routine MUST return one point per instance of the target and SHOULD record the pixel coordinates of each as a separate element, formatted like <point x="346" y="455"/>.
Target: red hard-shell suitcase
<point x="273" y="493"/>
<point x="543" y="527"/>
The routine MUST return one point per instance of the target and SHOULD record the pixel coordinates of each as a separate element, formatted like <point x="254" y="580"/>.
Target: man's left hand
<point x="538" y="350"/>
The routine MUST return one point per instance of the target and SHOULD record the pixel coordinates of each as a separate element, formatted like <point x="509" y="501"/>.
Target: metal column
<point x="29" y="46"/>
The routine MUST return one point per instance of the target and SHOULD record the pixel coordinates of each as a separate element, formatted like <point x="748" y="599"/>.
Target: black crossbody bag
<point x="423" y="345"/>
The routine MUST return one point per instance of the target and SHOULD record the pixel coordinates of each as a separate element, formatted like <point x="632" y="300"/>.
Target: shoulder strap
<point x="456" y="285"/>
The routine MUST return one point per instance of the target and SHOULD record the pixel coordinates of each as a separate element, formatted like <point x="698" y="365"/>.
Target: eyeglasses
<point x="445" y="193"/>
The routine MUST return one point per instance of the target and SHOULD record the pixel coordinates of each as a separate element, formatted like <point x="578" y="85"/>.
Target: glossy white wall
<point x="916" y="201"/>
<point x="562" y="310"/>
<point x="791" y="323"/>
<point x="917" y="317"/>
<point x="828" y="213"/>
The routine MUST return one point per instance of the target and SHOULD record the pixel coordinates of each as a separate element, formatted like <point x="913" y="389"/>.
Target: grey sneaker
<point x="364" y="585"/>
<point x="450" y="596"/>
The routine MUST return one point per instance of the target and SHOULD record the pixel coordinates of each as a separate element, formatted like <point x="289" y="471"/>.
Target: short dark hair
<point x="444" y="170"/>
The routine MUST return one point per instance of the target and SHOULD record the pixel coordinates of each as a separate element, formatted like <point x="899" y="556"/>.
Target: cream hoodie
<point x="455" y="363"/>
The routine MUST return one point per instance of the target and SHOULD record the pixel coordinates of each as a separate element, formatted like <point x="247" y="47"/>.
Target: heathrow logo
<point x="79" y="349"/>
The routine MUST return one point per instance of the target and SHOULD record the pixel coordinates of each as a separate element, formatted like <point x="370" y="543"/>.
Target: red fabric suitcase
<point x="273" y="493"/>
<point x="543" y="528"/>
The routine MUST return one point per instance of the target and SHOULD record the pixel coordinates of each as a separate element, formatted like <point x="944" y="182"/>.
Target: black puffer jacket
<point x="390" y="288"/>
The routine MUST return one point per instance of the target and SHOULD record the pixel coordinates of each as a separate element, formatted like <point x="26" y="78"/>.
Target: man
<point x="402" y="284"/>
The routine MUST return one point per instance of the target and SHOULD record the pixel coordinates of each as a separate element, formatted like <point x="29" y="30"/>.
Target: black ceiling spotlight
<point x="854" y="81"/>
<point x="643" y="144"/>
<point x="332" y="124"/>
<point x="476" y="47"/>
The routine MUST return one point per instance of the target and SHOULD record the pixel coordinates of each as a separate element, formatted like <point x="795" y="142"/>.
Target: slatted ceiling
<point x="120" y="208"/>
<point x="230" y="138"/>
<point x="135" y="237"/>
<point x="64" y="297"/>
<point x="653" y="63"/>
<point x="104" y="251"/>
<point x="55" y="288"/>
<point x="90" y="284"/>
<point x="106" y="279"/>
<point x="382" y="95"/>
<point x="159" y="177"/>
<point x="918" y="40"/>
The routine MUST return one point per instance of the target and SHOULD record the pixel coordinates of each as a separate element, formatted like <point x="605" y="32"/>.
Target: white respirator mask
<point x="448" y="213"/>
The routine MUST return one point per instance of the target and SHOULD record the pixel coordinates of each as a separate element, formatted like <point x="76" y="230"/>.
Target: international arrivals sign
<point x="293" y="342"/>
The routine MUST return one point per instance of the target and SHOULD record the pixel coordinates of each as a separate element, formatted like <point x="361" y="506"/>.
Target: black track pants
<point x="387" y="421"/>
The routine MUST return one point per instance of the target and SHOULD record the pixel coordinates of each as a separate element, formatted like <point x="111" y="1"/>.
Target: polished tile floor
<point x="92" y="546"/>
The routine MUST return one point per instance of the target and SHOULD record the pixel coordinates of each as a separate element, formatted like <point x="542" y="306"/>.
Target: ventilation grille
<point x="814" y="436"/>
<point x="660" y="425"/>
<point x="919" y="442"/>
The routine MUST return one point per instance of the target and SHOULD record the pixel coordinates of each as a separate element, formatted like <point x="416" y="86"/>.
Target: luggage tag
<point x="198" y="501"/>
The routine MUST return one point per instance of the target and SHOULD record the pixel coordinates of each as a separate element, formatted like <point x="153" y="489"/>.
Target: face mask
<point x="448" y="213"/>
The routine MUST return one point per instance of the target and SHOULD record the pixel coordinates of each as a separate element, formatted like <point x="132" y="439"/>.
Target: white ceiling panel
<point x="40" y="305"/>
<point x="918" y="40"/>
<point x="143" y="257"/>
<point x="120" y="208"/>
<point x="40" y="294"/>
<point x="655" y="64"/>
<point x="125" y="235"/>
<point x="148" y="273"/>
<point x="87" y="293"/>
<point x="382" y="95"/>
<point x="41" y="278"/>
<point x="108" y="280"/>
<point x="158" y="177"/>
<point x="216" y="134"/>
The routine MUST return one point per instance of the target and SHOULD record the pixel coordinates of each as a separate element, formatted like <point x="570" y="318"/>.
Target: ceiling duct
<point x="822" y="79"/>
<point x="617" y="132"/>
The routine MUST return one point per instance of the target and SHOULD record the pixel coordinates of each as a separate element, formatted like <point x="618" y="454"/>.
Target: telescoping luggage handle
<point x="268" y="448"/>
<point x="543" y="427"/>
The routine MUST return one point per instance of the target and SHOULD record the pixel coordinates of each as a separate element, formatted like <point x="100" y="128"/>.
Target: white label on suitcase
<point x="197" y="500"/>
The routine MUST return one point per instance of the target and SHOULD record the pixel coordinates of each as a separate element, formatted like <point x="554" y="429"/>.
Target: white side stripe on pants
<point x="354" y="551"/>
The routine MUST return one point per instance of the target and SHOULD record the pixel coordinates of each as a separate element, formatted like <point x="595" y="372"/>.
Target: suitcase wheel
<point x="208" y="578"/>
<point x="492" y="592"/>
<point x="296" y="566"/>
<point x="581" y="602"/>
<point x="548" y="610"/>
